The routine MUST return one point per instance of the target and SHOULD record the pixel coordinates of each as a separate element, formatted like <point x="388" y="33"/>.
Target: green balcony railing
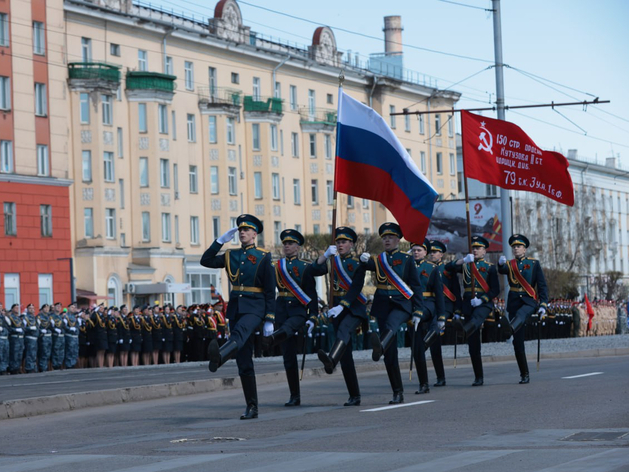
<point x="94" y="70"/>
<point x="323" y="116"/>
<point x="263" y="104"/>
<point x="142" y="80"/>
<point x="220" y="96"/>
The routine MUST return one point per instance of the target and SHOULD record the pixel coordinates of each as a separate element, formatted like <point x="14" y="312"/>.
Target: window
<point x="452" y="164"/>
<point x="10" y="224"/>
<point x="4" y="29"/>
<point x="392" y="117"/>
<point x="277" y="90"/>
<point x="255" y="136"/>
<point x="328" y="146"/>
<point x="176" y="180"/>
<point x="86" y="50"/>
<point x="88" y="222"/>
<point x="120" y="143"/>
<point x="438" y="125"/>
<point x="231" y="132"/>
<point x="314" y="191"/>
<point x="257" y="184"/>
<point x="109" y="171"/>
<point x="110" y="223"/>
<point x="162" y="118"/>
<point x="281" y="142"/>
<point x="275" y="185"/>
<point x="189" y="75"/>
<point x="194" y="180"/>
<point x="439" y="163"/>
<point x="293" y="97"/>
<point x="329" y="190"/>
<point x="216" y="227"/>
<point x="491" y="190"/>
<point x="235" y="78"/>
<point x="365" y="204"/>
<point x="451" y="126"/>
<point x="296" y="191"/>
<point x="214" y="180"/>
<point x="312" y="141"/>
<point x="422" y="125"/>
<point x="168" y="66"/>
<point x="144" y="171"/>
<point x="212" y="130"/>
<point x="173" y="117"/>
<point x="329" y="99"/>
<point x="256" y="89"/>
<point x="311" y="103"/>
<point x="164" y="173"/>
<point x="273" y="132"/>
<point x="107" y="116"/>
<point x="422" y="161"/>
<point x="166" y="236"/>
<point x="294" y="144"/>
<point x="143" y="62"/>
<point x="192" y="133"/>
<point x="231" y="180"/>
<point x="44" y="282"/>
<point x="407" y="123"/>
<point x="43" y="164"/>
<point x="194" y="230"/>
<point x="86" y="160"/>
<point x="142" y="124"/>
<point x="39" y="39"/>
<point x="114" y="49"/>
<point x="277" y="231"/>
<point x="45" y="213"/>
<point x="146" y="226"/>
<point x="119" y="93"/>
<point x="350" y="201"/>
<point x="6" y="156"/>
<point x="316" y="229"/>
<point x="211" y="72"/>
<point x="121" y="192"/>
<point x="5" y="93"/>
<point x="41" y="107"/>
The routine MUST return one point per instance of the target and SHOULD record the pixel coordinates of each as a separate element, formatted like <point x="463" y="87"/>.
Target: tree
<point x="562" y="283"/>
<point x="609" y="285"/>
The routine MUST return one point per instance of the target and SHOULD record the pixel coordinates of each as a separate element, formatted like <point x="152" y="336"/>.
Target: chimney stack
<point x="393" y="35"/>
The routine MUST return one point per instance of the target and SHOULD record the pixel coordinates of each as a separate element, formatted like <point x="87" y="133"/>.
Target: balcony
<point x="317" y="119"/>
<point x="150" y="85"/>
<point x="94" y="76"/>
<point x="263" y="104"/>
<point x="220" y="98"/>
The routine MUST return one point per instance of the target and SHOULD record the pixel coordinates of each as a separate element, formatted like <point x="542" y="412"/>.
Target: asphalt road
<point x="573" y="416"/>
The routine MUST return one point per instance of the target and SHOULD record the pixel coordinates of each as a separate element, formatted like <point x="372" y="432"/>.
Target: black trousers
<point x="345" y="324"/>
<point x="392" y="323"/>
<point x="244" y="327"/>
<point x="290" y="326"/>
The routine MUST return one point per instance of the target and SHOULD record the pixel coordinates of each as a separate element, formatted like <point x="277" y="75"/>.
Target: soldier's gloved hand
<point x="120" y="341"/>
<point x="442" y="327"/>
<point x="456" y="316"/>
<point x="18" y="330"/>
<point x="43" y="331"/>
<point x="163" y="340"/>
<point x="469" y="258"/>
<point x="57" y="330"/>
<point x="502" y="260"/>
<point x="267" y="330"/>
<point x="335" y="311"/>
<point x="330" y="251"/>
<point x="416" y="320"/>
<point x="130" y="341"/>
<point x="73" y="329"/>
<point x="310" y="324"/>
<point x="364" y="257"/>
<point x="541" y="312"/>
<point x="476" y="302"/>
<point x="228" y="236"/>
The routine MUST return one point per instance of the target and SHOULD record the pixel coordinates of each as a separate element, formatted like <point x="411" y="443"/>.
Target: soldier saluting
<point x="252" y="300"/>
<point x="527" y="294"/>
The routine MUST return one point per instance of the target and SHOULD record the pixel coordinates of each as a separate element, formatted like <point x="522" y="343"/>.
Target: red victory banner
<point x="499" y="153"/>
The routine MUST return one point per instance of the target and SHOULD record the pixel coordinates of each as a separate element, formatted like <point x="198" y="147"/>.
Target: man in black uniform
<point x="296" y="303"/>
<point x="528" y="294"/>
<point x="480" y="281"/>
<point x="349" y="310"/>
<point x="252" y="300"/>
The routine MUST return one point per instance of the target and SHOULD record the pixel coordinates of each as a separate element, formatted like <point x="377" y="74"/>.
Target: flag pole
<point x="467" y="214"/>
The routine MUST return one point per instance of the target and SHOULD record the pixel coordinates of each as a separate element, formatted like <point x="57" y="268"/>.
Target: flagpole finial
<point x="341" y="78"/>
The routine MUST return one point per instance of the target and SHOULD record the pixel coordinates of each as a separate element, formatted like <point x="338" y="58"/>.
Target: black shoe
<point x="423" y="388"/>
<point x="352" y="401"/>
<point x="397" y="398"/>
<point x="524" y="379"/>
<point x="478" y="381"/>
<point x="440" y="383"/>
<point x="214" y="354"/>
<point x="295" y="400"/>
<point x="376" y="345"/>
<point x="250" y="413"/>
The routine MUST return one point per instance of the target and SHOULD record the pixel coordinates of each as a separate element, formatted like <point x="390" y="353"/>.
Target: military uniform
<point x="527" y="293"/>
<point x="348" y="278"/>
<point x="480" y="281"/>
<point x="31" y="335"/>
<point x="16" y="342"/>
<point x="398" y="297"/>
<point x="71" y="335"/>
<point x="252" y="300"/>
<point x="4" y="344"/>
<point x="452" y="304"/>
<point x="44" y="343"/>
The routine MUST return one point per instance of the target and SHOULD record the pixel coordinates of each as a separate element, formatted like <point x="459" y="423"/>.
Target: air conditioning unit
<point x="130" y="288"/>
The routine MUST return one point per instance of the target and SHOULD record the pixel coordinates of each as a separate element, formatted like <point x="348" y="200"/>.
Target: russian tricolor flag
<point x="372" y="163"/>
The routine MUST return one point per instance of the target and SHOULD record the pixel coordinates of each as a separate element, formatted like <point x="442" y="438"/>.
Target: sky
<point x="557" y="51"/>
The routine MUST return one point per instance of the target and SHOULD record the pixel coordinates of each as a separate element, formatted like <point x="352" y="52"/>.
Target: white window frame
<point x="4" y="30"/>
<point x="10" y="219"/>
<point x="256" y="89"/>
<point x="164" y="173"/>
<point x="422" y="125"/>
<point x="45" y="214"/>
<point x="189" y="74"/>
<point x="173" y="117"/>
<point x="451" y="126"/>
<point x="296" y="192"/>
<point x="329" y="191"/>
<point x="275" y="185"/>
<point x="168" y="66"/>
<point x="162" y="118"/>
<point x="230" y="129"/>
<point x="191" y="128"/>
<point x="146" y="226"/>
<point x="120" y="142"/>
<point x="107" y="110"/>
<point x="6" y="156"/>
<point x="312" y="145"/>
<point x="439" y="163"/>
<point x="86" y="49"/>
<point x="142" y="118"/>
<point x="214" y="180"/>
<point x="273" y="136"/>
<point x="43" y="161"/>
<point x="293" y="97"/>
<point x="392" y="117"/>
<point x="166" y="228"/>
<point x="232" y="179"/>
<point x="255" y="136"/>
<point x="328" y="145"/>
<point x="88" y="223"/>
<point x="5" y="93"/>
<point x="438" y="125"/>
<point x="143" y="60"/>
<point x="86" y="165"/>
<point x="422" y="161"/>
<point x="84" y="108"/>
<point x="109" y="169"/>
<point x="294" y="144"/>
<point x="314" y="191"/>
<point x="41" y="100"/>
<point x="212" y="131"/>
<point x="144" y="172"/>
<point x="407" y="123"/>
<point x="39" y="39"/>
<point x="194" y="230"/>
<point x="194" y="179"/>
<point x="452" y="164"/>
<point x="257" y="185"/>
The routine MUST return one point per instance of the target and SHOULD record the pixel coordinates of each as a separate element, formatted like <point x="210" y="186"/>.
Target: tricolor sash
<point x="517" y="275"/>
<point x="477" y="275"/>
<point x="393" y="278"/>
<point x="345" y="281"/>
<point x="291" y="284"/>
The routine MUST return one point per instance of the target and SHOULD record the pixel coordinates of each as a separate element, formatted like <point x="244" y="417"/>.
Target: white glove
<point x="43" y="331"/>
<point x="469" y="258"/>
<point x="57" y="330"/>
<point x="130" y="341"/>
<point x="330" y="251"/>
<point x="228" y="236"/>
<point x="65" y="321"/>
<point x="541" y="312"/>
<point x="442" y="326"/>
<point x="476" y="301"/>
<point x="311" y="326"/>
<point x="364" y="257"/>
<point x="456" y="316"/>
<point x="73" y="329"/>
<point x="163" y="340"/>
<point x="335" y="311"/>
<point x="416" y="321"/>
<point x="18" y="330"/>
<point x="267" y="330"/>
<point x="502" y="260"/>
<point x="120" y="341"/>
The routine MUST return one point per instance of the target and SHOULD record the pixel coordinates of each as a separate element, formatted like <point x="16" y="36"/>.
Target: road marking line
<point x="583" y="375"/>
<point x="401" y="405"/>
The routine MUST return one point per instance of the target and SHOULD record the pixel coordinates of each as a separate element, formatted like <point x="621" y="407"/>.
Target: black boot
<point x="251" y="397"/>
<point x="422" y="376"/>
<point x="430" y="338"/>
<point x="330" y="360"/>
<point x="467" y="330"/>
<point x="477" y="365"/>
<point x="381" y="346"/>
<point x="218" y="356"/>
<point x="423" y="388"/>
<point x="516" y="324"/>
<point x="292" y="376"/>
<point x="274" y="339"/>
<point x="351" y="381"/>
<point x="395" y="378"/>
<point x="440" y="383"/>
<point x="523" y="366"/>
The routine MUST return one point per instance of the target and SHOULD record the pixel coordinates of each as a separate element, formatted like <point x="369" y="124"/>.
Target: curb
<point x="74" y="401"/>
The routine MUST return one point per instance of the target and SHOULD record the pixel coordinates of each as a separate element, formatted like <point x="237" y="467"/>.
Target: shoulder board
<point x="262" y="249"/>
